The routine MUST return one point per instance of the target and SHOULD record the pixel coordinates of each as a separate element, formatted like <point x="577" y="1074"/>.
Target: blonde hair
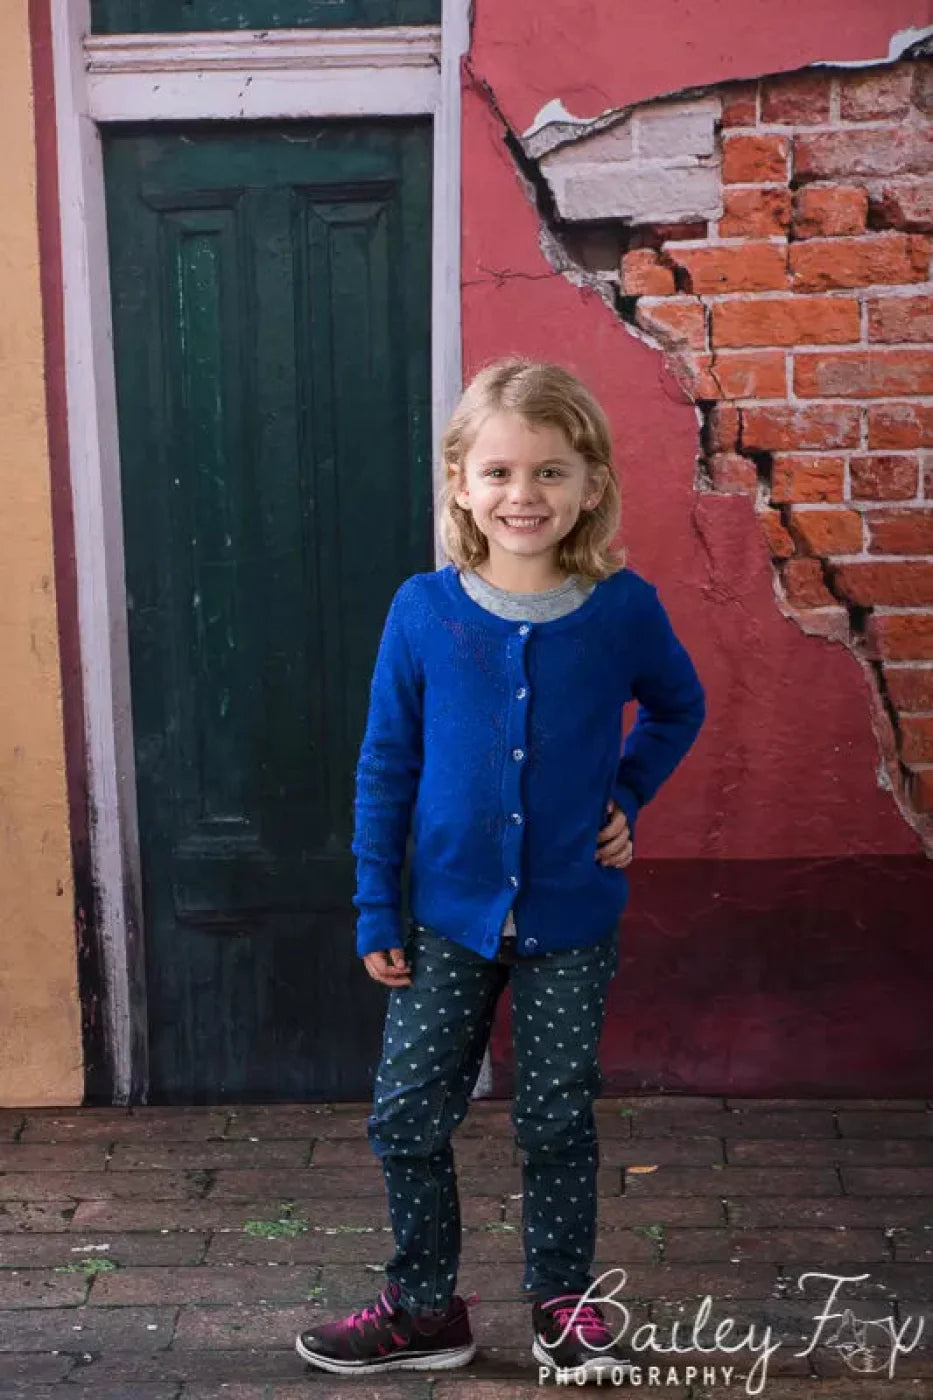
<point x="546" y="395"/>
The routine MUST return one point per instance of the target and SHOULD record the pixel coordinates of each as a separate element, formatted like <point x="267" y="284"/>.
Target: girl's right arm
<point x="387" y="783"/>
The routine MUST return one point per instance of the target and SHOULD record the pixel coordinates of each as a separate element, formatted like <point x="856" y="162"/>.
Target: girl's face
<point x="525" y="486"/>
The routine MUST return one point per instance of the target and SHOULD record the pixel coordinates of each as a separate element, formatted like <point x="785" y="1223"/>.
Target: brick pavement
<point x="171" y="1254"/>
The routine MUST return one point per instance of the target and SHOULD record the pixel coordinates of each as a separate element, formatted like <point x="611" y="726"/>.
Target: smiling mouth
<point x="523" y="522"/>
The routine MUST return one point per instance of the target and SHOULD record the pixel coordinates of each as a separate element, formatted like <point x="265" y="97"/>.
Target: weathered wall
<point x="40" y="1040"/>
<point x="780" y="892"/>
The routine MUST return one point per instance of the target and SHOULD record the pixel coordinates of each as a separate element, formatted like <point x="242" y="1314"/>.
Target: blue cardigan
<point x="496" y="744"/>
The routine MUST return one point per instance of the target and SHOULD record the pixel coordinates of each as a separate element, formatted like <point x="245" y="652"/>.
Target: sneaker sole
<point x="592" y="1366"/>
<point x="434" y="1361"/>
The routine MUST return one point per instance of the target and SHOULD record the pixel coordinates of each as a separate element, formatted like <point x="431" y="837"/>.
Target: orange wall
<point x="40" y="1031"/>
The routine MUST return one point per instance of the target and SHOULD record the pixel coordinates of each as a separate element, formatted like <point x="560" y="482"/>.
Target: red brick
<point x="753" y="267"/>
<point x="907" y="585"/>
<point x="904" y="204"/>
<point x="755" y="213"/>
<point x="786" y="321"/>
<point x="910" y="687"/>
<point x="900" y="531"/>
<point x="800" y="99"/>
<point x="921" y="789"/>
<point x="884" y="477"/>
<point x="876" y="94"/>
<point x="722" y="427"/>
<point x="780" y="543"/>
<point x="900" y="425"/>
<point x="644" y="275"/>
<point x="784" y="428"/>
<point x="740" y="104"/>
<point x="894" y="319"/>
<point x="731" y="473"/>
<point x="917" y="738"/>
<point x="864" y="373"/>
<point x="902" y="637"/>
<point x="751" y="160"/>
<point x="807" y="479"/>
<point x="804" y="585"/>
<point x="678" y="320"/>
<point x="884" y="259"/>
<point x="752" y="374"/>
<point x="870" y="151"/>
<point x="827" y="531"/>
<point x="830" y="211"/>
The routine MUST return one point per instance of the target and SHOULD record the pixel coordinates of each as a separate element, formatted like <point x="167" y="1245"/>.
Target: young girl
<point x="494" y="737"/>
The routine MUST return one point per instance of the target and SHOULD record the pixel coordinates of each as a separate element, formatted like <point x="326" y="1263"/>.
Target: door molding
<point x="296" y="74"/>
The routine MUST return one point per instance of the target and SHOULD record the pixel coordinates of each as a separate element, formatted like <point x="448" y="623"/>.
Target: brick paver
<point x="171" y="1254"/>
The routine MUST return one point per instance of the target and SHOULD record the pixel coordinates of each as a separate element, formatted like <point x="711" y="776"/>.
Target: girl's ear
<point x="457" y="478"/>
<point x="595" y="487"/>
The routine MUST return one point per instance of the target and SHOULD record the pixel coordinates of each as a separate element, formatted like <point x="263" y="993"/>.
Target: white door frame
<point x="241" y="75"/>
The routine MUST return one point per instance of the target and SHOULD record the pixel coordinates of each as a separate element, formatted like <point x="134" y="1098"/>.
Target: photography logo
<point x="866" y="1345"/>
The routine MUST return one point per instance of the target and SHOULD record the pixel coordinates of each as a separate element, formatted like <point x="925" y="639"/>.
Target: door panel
<point x="271" y="301"/>
<point x="173" y="16"/>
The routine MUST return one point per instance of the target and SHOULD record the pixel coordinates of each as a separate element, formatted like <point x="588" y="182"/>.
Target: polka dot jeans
<point x="435" y="1035"/>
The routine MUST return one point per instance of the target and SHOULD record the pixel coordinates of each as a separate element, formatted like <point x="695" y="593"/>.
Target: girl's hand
<point x="614" y="842"/>
<point x="389" y="968"/>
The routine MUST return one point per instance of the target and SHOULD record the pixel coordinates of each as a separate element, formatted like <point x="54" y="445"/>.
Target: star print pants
<point x="435" y="1036"/>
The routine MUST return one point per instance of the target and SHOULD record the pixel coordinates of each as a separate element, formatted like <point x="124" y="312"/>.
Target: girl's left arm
<point x="671" y="710"/>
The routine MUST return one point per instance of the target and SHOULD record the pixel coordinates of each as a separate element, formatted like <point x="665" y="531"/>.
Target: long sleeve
<point x="671" y="711"/>
<point x="386" y="785"/>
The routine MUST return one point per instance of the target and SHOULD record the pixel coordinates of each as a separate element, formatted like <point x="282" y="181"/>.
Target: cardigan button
<point x="513" y="881"/>
<point x="516" y="818"/>
<point x="524" y="630"/>
<point x="530" y="944"/>
<point x="518" y="755"/>
<point x="521" y="692"/>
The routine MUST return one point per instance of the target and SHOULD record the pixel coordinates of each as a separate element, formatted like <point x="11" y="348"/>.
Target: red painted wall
<point x="785" y="773"/>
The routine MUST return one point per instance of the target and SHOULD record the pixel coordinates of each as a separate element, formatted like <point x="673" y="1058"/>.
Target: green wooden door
<point x="271" y="299"/>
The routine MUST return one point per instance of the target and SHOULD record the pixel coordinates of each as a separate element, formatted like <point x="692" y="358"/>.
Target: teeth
<point x="523" y="523"/>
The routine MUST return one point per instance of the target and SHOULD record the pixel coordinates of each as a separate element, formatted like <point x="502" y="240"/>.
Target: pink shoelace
<point x="374" y="1313"/>
<point x="587" y="1322"/>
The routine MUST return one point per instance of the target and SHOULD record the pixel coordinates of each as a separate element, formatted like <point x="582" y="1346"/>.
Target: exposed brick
<point x="876" y="94"/>
<point x="910" y="687"/>
<point x="643" y="274"/>
<point x="829" y="531"/>
<point x="222" y="1284"/>
<point x="807" y="479"/>
<point x="901" y="637"/>
<point x="48" y="1250"/>
<point x="900" y="531"/>
<point x="881" y="1210"/>
<point x="921" y="789"/>
<point x="755" y="213"/>
<point x="900" y="425"/>
<point x="753" y="267"/>
<point x="896" y="585"/>
<point x="884" y="478"/>
<point x="722" y="428"/>
<point x="904" y="204"/>
<point x="884" y="259"/>
<point x="917" y="738"/>
<point x="893" y="319"/>
<point x="679" y="320"/>
<point x="871" y="151"/>
<point x="804" y="584"/>
<point x="132" y="1156"/>
<point x="800" y="99"/>
<point x="799" y="320"/>
<point x="739" y="104"/>
<point x="751" y="160"/>
<point x="783" y="428"/>
<point x="780" y="543"/>
<point x="756" y="374"/>
<point x="822" y="211"/>
<point x="864" y="373"/>
<point x="673" y="129"/>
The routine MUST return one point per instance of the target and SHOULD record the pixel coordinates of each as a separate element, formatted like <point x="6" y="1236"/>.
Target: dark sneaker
<point x="385" y="1337"/>
<point x="573" y="1335"/>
